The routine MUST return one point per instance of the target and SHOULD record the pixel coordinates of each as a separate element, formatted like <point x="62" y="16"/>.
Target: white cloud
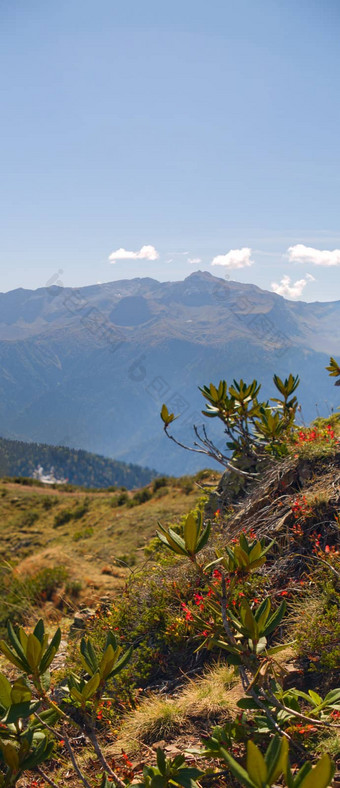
<point x="236" y="258"/>
<point x="307" y="254"/>
<point x="145" y="253"/>
<point x="291" y="289"/>
<point x="194" y="260"/>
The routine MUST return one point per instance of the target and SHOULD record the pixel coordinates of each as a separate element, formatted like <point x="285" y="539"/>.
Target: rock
<point x="157" y="744"/>
<point x="86" y="612"/>
<point x="80" y="618"/>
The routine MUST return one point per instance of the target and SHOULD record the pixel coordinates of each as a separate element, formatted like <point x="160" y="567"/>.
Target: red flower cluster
<point x="199" y="601"/>
<point x="126" y="759"/>
<point x="304" y="729"/>
<point x="103" y="705"/>
<point x="331" y="550"/>
<point x="300" y="507"/>
<point x="188" y="613"/>
<point x="297" y="530"/>
<point x="309" y="436"/>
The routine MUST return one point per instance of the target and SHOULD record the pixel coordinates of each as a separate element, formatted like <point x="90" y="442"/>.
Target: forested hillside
<point x="74" y="465"/>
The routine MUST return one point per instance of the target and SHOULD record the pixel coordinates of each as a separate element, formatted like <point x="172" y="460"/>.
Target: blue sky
<point x="191" y="127"/>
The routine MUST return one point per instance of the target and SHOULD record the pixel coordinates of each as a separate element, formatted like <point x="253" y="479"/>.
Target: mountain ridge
<point x="91" y="366"/>
<point x="82" y="468"/>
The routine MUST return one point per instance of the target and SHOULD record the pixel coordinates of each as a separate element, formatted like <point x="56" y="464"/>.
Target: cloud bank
<point x="236" y="258"/>
<point x="291" y="289"/>
<point x="145" y="253"/>
<point x="194" y="260"/>
<point x="307" y="254"/>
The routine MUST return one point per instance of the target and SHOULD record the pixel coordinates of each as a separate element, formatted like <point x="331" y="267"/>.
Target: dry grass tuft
<point x="202" y="701"/>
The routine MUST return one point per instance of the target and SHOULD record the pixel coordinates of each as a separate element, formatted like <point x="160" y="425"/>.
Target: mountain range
<point x="90" y="368"/>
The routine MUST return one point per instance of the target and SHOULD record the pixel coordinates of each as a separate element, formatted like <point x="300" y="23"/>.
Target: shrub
<point x="19" y="594"/>
<point x="66" y="515"/>
<point x="49" y="501"/>
<point x="149" y="616"/>
<point x="162" y="492"/>
<point x="73" y="588"/>
<point x="142" y="496"/>
<point x="28" y="519"/>
<point x="186" y="485"/>
<point x="80" y="510"/>
<point x="160" y="481"/>
<point x="84" y="534"/>
<point x="253" y="428"/>
<point x="63" y="517"/>
<point x="43" y="585"/>
<point x="318" y="638"/>
<point x="122" y="499"/>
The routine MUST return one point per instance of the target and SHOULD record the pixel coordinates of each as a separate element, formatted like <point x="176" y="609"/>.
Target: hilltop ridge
<point x="77" y="466"/>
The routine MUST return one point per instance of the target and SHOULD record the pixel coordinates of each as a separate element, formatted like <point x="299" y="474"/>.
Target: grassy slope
<point x="98" y="542"/>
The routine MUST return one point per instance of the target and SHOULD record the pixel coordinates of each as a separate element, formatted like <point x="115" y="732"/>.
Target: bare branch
<point x="93" y="739"/>
<point x="74" y="762"/>
<point x="45" y="777"/>
<point x="213" y="452"/>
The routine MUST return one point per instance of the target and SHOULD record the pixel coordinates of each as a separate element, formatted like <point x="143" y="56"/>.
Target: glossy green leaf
<point x="161" y="760"/>
<point x="190" y="531"/>
<point x="321" y="775"/>
<point x="5" y="691"/>
<point x="237" y="770"/>
<point x="277" y="758"/>
<point x="256" y="766"/>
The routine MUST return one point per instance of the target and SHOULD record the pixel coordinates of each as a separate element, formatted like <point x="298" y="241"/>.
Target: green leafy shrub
<point x="160" y="481"/>
<point x="254" y="429"/>
<point x="63" y="517"/>
<point x="149" y="616"/>
<point x="48" y="502"/>
<point x="141" y="496"/>
<point x="85" y="533"/>
<point x="122" y="499"/>
<point x="73" y="588"/>
<point x="43" y="585"/>
<point x="28" y="518"/>
<point x="80" y="510"/>
<point x="162" y="492"/>
<point x="318" y="638"/>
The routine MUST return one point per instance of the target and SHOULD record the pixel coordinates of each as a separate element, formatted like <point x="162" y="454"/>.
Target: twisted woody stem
<point x="242" y="670"/>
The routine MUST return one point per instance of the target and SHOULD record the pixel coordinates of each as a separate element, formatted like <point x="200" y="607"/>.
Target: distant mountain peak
<point x="204" y="276"/>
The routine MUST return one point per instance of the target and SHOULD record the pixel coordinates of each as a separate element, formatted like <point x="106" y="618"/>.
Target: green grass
<point x="97" y="536"/>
